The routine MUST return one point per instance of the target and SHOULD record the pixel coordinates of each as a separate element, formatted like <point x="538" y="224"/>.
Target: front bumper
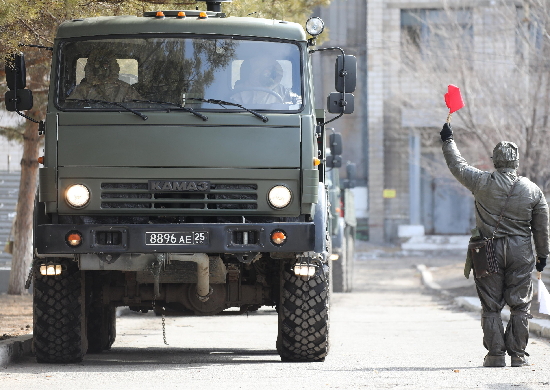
<point x="215" y="238"/>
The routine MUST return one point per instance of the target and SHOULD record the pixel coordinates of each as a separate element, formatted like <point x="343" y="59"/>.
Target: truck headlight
<point x="77" y="196"/>
<point x="315" y="26"/>
<point x="279" y="197"/>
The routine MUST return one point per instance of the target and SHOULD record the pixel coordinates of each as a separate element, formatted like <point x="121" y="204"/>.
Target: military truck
<point x="184" y="170"/>
<point x="342" y="220"/>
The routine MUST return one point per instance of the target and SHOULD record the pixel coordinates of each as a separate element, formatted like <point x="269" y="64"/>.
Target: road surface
<point x="390" y="333"/>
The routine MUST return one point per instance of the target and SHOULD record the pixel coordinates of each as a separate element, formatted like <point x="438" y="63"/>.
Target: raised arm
<point x="466" y="174"/>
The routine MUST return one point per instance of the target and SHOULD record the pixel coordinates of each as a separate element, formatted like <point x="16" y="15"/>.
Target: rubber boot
<point x="494" y="361"/>
<point x="519" y="361"/>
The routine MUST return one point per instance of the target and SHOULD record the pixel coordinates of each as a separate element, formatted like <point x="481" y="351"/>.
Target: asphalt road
<point x="389" y="333"/>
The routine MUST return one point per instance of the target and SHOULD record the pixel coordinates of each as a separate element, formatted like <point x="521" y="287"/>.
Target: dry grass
<point x="15" y="315"/>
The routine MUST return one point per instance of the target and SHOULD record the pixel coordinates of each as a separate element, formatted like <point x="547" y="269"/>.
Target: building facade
<point x="394" y="133"/>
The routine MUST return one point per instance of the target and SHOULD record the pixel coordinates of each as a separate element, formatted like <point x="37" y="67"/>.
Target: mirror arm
<point x="37" y="46"/>
<point x="343" y="73"/>
<point x="333" y="119"/>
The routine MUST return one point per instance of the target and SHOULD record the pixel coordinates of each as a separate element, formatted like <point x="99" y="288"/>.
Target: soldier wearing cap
<point x="524" y="217"/>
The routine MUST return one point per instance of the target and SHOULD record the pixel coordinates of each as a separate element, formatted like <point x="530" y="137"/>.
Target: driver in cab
<point x="260" y="83"/>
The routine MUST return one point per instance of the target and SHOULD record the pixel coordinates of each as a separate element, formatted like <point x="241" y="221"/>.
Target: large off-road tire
<point x="340" y="269"/>
<point x="350" y="258"/>
<point x="59" y="333"/>
<point x="303" y="317"/>
<point x="100" y="318"/>
<point x="101" y="326"/>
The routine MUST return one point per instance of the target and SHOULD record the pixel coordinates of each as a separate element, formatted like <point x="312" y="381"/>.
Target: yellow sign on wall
<point x="389" y="193"/>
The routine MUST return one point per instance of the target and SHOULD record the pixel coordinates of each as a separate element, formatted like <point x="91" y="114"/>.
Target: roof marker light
<point x="160" y="15"/>
<point x="181" y="15"/>
<point x="203" y="15"/>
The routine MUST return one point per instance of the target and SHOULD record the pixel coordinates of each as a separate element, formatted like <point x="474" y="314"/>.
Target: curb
<point x="537" y="326"/>
<point x="14" y="348"/>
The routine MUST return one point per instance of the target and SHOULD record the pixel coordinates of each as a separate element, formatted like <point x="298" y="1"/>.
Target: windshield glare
<point x="141" y="72"/>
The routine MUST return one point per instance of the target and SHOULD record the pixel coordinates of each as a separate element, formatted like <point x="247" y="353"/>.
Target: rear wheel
<point x="350" y="258"/>
<point x="100" y="317"/>
<point x="303" y="316"/>
<point x="59" y="333"/>
<point x="340" y="270"/>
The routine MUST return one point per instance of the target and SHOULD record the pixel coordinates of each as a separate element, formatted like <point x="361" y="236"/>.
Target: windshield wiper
<point x="188" y="109"/>
<point x="225" y="103"/>
<point x="142" y="116"/>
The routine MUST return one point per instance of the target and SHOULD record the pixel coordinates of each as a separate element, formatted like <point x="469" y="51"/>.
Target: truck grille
<point x="137" y="195"/>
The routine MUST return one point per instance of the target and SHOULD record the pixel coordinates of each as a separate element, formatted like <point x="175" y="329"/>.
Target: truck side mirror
<point x="334" y="161"/>
<point x="351" y="171"/>
<point x="340" y="103"/>
<point x="335" y="144"/>
<point x="18" y="100"/>
<point x="346" y="73"/>
<point x="16" y="73"/>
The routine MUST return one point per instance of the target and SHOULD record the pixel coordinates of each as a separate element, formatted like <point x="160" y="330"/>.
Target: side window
<point x="128" y="70"/>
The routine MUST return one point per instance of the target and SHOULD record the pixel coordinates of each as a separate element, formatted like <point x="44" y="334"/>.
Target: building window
<point x="428" y="35"/>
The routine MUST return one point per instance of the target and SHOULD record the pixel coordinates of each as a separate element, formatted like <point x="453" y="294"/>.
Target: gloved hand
<point x="446" y="133"/>
<point x="540" y="264"/>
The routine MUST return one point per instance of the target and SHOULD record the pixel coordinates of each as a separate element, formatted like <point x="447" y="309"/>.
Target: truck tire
<point x="59" y="329"/>
<point x="101" y="326"/>
<point x="350" y="259"/>
<point x="340" y="269"/>
<point x="303" y="317"/>
<point x="100" y="318"/>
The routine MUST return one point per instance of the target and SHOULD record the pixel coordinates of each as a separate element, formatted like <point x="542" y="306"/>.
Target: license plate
<point x="180" y="238"/>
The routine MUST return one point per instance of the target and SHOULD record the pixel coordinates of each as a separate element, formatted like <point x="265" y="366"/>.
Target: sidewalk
<point x="442" y="271"/>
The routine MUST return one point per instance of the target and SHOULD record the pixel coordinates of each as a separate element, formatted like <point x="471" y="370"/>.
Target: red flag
<point x="453" y="99"/>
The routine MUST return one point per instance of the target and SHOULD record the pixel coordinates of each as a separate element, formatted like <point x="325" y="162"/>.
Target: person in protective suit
<point x="260" y="83"/>
<point x="101" y="81"/>
<point x="525" y="215"/>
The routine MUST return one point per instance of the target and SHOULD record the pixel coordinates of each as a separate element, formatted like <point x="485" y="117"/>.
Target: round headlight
<point x="279" y="197"/>
<point x="315" y="26"/>
<point x="77" y="196"/>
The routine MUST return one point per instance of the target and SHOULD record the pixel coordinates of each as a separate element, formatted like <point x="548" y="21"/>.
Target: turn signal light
<point x="316" y="161"/>
<point x="278" y="237"/>
<point x="74" y="239"/>
<point x="50" y="269"/>
<point x="41" y="160"/>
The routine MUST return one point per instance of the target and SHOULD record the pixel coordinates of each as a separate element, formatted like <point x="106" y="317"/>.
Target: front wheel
<point x="303" y="316"/>
<point x="59" y="333"/>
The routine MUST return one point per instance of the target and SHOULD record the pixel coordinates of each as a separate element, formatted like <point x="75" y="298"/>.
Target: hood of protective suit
<point x="506" y="155"/>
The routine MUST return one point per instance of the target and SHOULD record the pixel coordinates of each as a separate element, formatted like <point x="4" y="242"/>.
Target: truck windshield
<point x="259" y="75"/>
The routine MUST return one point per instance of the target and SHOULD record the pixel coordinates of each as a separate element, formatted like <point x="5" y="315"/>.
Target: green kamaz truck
<point x="183" y="170"/>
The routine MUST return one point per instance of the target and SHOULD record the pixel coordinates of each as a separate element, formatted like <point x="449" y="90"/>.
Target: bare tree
<point x="499" y="55"/>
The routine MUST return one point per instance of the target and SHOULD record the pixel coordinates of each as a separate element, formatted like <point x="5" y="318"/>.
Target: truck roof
<point x="214" y="23"/>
